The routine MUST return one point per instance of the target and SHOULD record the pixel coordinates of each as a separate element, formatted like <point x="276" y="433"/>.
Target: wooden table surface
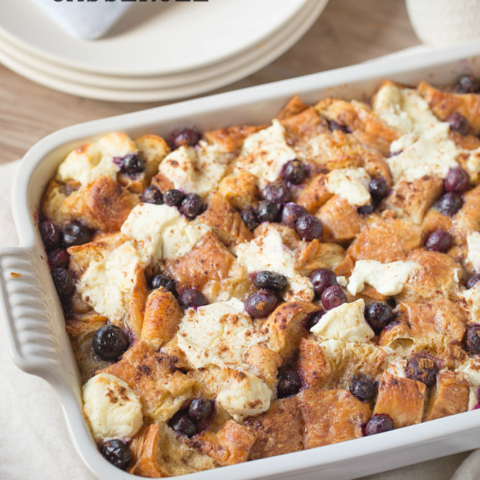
<point x="347" y="32"/>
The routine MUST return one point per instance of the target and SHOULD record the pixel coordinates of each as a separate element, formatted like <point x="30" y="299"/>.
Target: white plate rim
<point x="119" y="71"/>
<point x="196" y="88"/>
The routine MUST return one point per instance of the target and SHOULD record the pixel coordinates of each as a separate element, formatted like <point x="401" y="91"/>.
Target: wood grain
<point x="348" y="32"/>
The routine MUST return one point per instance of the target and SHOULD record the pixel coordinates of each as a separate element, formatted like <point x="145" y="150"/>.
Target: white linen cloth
<point x="86" y="20"/>
<point x="34" y="441"/>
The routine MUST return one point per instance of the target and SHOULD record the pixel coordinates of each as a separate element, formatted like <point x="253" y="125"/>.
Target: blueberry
<point x="152" y="195"/>
<point x="467" y="84"/>
<point x="378" y="315"/>
<point x="423" y="369"/>
<point x="379" y="423"/>
<point x="173" y="197"/>
<point x="458" y="123"/>
<point x="192" y="205"/>
<point x="449" y="204"/>
<point x="288" y="383"/>
<point x="473" y="280"/>
<point x="378" y="187"/>
<point x="117" y="453"/>
<point x="321" y="279"/>
<point x="294" y="172"/>
<point x="132" y="164"/>
<point x="250" y="218"/>
<point x="366" y="209"/>
<point x="192" y="298"/>
<point x="185" y="138"/>
<point x="76" y="234"/>
<point x="64" y="283"/>
<point x="200" y="409"/>
<point x="50" y="234"/>
<point x="333" y="297"/>
<point x="309" y="227"/>
<point x="472" y="339"/>
<point x="261" y="304"/>
<point x="160" y="280"/>
<point x="291" y="213"/>
<point x="439" y="241"/>
<point x="333" y="125"/>
<point x="276" y="192"/>
<point x="59" y="258"/>
<point x="274" y="280"/>
<point x="109" y="342"/>
<point x="183" y="424"/>
<point x="314" y="318"/>
<point x="364" y="388"/>
<point x="457" y="180"/>
<point x="267" y="211"/>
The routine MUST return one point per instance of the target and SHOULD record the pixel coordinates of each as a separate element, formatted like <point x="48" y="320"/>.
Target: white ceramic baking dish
<point x="31" y="310"/>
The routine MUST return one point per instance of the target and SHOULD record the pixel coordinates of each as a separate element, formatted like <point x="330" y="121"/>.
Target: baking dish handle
<point x="23" y="304"/>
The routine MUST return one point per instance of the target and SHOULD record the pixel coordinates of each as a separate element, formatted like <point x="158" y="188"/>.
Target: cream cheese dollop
<point x="245" y="396"/>
<point x="196" y="170"/>
<point x="265" y="153"/>
<point x="161" y="232"/>
<point x="350" y="184"/>
<point x="345" y="322"/>
<point x="387" y="278"/>
<point x="112" y="408"/>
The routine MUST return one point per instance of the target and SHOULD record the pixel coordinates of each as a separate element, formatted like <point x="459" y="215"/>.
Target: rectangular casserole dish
<point x="35" y="324"/>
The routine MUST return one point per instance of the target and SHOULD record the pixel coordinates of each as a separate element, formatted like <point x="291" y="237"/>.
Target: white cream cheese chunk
<point x="195" y="170"/>
<point x="471" y="369"/>
<point x="95" y="160"/>
<point x="161" y="231"/>
<point x="473" y="242"/>
<point x="425" y="147"/>
<point x="432" y="153"/>
<point x="244" y="396"/>
<point x="268" y="252"/>
<point x="351" y="184"/>
<point x="345" y="322"/>
<point x="112" y="408"/>
<point x="265" y="153"/>
<point x="403" y="109"/>
<point x="218" y="334"/>
<point x="387" y="278"/>
<point x="107" y="283"/>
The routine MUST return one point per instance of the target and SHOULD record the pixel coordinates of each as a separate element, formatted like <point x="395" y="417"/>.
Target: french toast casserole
<point x="236" y="294"/>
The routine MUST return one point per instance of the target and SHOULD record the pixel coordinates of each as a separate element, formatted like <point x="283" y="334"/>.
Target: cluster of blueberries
<point x="276" y="196"/>
<point x="56" y="241"/>
<point x="190" y="204"/>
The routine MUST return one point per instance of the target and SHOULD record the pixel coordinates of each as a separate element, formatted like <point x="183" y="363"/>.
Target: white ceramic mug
<point x="445" y="22"/>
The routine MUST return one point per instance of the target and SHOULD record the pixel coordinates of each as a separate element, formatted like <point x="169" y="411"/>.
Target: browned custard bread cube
<point x="255" y="291"/>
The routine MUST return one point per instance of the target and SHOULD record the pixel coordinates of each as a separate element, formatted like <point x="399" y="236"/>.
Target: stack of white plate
<point x="158" y="51"/>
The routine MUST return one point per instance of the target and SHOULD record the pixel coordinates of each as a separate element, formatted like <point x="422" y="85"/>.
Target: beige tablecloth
<point x="34" y="441"/>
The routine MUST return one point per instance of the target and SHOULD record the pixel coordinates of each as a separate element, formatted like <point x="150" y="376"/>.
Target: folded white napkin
<point x="34" y="441"/>
<point x="86" y="20"/>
